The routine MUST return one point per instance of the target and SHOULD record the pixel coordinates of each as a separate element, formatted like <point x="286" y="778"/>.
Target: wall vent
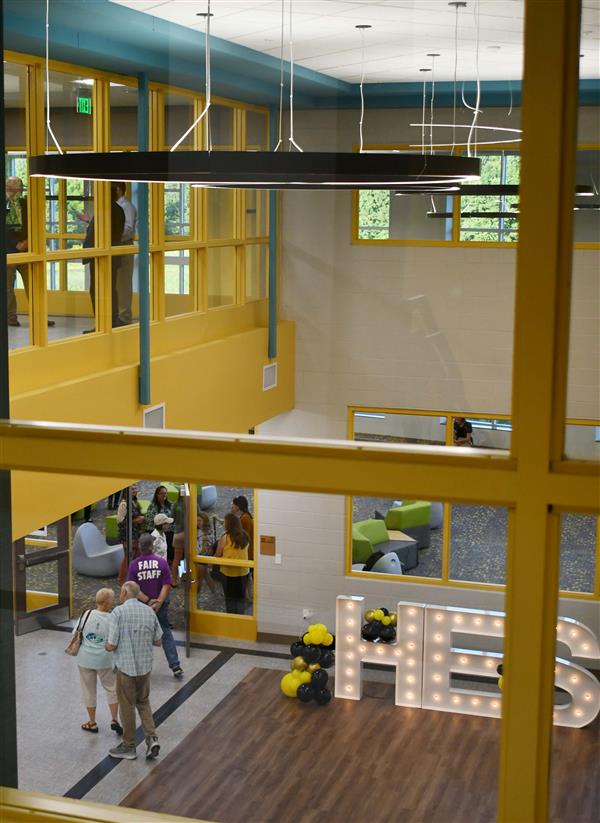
<point x="269" y="376"/>
<point x="154" y="417"/>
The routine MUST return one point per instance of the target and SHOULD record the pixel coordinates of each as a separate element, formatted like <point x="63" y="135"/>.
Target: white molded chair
<point x="92" y="556"/>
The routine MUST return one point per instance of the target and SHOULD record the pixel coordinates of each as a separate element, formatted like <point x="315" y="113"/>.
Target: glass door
<point x="42" y="573"/>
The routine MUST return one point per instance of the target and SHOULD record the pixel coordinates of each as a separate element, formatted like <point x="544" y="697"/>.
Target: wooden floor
<point x="262" y="757"/>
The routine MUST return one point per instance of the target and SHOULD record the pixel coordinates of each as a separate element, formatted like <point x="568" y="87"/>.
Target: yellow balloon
<point x="386" y="620"/>
<point x="296" y="674"/>
<point x="320" y="626"/>
<point x="306" y="638"/>
<point x="298" y="663"/>
<point x="289" y="685"/>
<point x="328" y="639"/>
<point x="317" y="637"/>
<point x="370" y="615"/>
<point x="313" y="667"/>
<point x="393" y="619"/>
<point x="378" y="614"/>
<point x="501" y="682"/>
<point x="305" y="677"/>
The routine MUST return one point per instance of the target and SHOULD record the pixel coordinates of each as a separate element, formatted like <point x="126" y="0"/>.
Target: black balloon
<point x="322" y="696"/>
<point x="385" y="611"/>
<point x="327" y="659"/>
<point x="312" y="654"/>
<point x="369" y="631"/>
<point x="297" y="648"/>
<point x="305" y="693"/>
<point x="387" y="634"/>
<point x="319" y="679"/>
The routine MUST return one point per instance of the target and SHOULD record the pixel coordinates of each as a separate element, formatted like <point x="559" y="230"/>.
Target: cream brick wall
<point x="400" y="327"/>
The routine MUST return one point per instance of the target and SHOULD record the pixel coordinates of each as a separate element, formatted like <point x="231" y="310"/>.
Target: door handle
<point x="21" y="564"/>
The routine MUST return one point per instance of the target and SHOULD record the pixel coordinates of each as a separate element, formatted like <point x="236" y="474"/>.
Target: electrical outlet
<point x="278" y="559"/>
<point x="307" y="614"/>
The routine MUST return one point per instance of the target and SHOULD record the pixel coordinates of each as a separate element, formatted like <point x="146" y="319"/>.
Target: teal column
<point x="144" y="245"/>
<point x="8" y="713"/>
<point x="273" y="238"/>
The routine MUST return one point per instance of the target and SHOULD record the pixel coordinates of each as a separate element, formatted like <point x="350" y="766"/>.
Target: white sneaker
<point x="152" y="748"/>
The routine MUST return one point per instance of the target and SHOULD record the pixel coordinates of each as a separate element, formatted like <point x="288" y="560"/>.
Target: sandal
<point x="90" y="727"/>
<point x="116" y="727"/>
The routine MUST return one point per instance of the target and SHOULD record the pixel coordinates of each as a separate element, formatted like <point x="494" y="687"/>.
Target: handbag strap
<point x="80" y="628"/>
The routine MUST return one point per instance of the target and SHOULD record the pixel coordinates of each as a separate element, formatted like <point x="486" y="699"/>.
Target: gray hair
<point x="131" y="588"/>
<point x="146" y="543"/>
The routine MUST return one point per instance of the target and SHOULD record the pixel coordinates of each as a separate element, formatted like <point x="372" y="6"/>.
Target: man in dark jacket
<point x="117" y="224"/>
<point x="15" y="242"/>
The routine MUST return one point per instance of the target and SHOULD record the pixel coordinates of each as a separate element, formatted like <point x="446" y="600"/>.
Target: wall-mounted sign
<point x="83" y="104"/>
<point x="425" y="656"/>
<point x="267" y="545"/>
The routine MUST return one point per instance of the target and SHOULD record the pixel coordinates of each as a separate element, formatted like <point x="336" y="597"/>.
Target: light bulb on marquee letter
<point x="405" y="655"/>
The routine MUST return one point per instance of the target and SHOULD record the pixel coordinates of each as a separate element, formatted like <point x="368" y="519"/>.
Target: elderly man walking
<point x="134" y="632"/>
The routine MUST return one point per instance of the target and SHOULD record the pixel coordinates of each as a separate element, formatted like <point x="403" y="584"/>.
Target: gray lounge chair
<point x="92" y="556"/>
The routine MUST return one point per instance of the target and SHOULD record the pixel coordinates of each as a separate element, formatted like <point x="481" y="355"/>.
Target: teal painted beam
<point x="144" y="246"/>
<point x="8" y="715"/>
<point x="126" y="41"/>
<point x="273" y="238"/>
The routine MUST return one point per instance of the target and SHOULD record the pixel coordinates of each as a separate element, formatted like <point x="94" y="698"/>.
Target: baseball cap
<point x="161" y="519"/>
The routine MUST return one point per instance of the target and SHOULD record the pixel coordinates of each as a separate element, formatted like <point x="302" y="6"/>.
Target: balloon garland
<point x="500" y="670"/>
<point x="380" y="626"/>
<point x="312" y="654"/>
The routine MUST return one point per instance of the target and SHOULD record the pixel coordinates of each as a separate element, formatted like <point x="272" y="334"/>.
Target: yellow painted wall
<point x="213" y="385"/>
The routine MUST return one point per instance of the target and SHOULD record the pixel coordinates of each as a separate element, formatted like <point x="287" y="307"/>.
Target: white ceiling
<point x="403" y="33"/>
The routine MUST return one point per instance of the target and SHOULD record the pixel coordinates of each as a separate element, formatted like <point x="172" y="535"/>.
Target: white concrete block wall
<point x="398" y="327"/>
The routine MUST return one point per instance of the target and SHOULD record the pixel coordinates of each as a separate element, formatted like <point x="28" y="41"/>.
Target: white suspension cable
<point x="291" y="137"/>
<point x="48" y="125"/>
<point x="280" y="140"/>
<point x="433" y="56"/>
<point x="423" y="117"/>
<point x="362" y="82"/>
<point x="455" y="75"/>
<point x="478" y="81"/>
<point x="204" y="113"/>
<point x="511" y="98"/>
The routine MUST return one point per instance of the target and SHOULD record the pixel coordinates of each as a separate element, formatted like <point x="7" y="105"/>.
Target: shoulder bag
<point x="75" y="642"/>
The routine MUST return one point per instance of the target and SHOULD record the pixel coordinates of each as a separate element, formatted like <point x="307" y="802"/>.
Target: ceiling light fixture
<point x="292" y="170"/>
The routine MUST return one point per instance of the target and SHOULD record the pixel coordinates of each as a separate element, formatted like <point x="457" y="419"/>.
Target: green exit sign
<point x="84" y="105"/>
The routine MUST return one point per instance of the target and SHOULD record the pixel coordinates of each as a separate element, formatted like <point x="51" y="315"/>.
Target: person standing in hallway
<point x="160" y="504"/>
<point x="239" y="507"/>
<point x="134" y="632"/>
<point x="151" y="573"/>
<point x="463" y="432"/>
<point x="16" y="242"/>
<point x="233" y="545"/>
<point x="117" y="224"/>
<point x="137" y="522"/>
<point x="94" y="662"/>
<point x="125" y="270"/>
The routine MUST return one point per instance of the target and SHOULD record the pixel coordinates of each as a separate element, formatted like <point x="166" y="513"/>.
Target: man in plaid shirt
<point x="134" y="632"/>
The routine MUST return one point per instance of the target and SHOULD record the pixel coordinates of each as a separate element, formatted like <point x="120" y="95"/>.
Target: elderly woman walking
<point x="95" y="663"/>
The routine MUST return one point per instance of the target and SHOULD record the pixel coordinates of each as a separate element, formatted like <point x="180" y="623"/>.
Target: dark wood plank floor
<point x="261" y="757"/>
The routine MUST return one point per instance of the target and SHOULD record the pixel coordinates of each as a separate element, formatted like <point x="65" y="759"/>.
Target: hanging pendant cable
<point x="280" y="140"/>
<point x="476" y="111"/>
<point x="362" y="29"/>
<point x="291" y="137"/>
<point x="204" y="113"/>
<point x="433" y="56"/>
<point x="458" y="4"/>
<point x="424" y="106"/>
<point x="510" y="91"/>
<point x="48" y="126"/>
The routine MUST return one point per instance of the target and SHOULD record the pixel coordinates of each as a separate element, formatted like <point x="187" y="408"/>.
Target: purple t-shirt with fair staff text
<point x="151" y="573"/>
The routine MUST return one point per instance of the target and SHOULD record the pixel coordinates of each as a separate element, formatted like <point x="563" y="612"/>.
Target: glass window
<point x="392" y="427"/>
<point x="178" y="294"/>
<point x="582" y="442"/>
<point x="177" y="210"/>
<point x="71" y="297"/>
<point x="220" y="214"/>
<point x="221" y="127"/>
<point x="257" y="136"/>
<point x="482" y="432"/>
<point x="496" y="224"/>
<point x="179" y="116"/>
<point x="478" y="536"/>
<point x="18" y="293"/>
<point x="578" y="541"/>
<point x="123" y="116"/>
<point x="72" y="110"/>
<point x="220" y="276"/>
<point x="256" y="272"/>
<point x="256" y="208"/>
<point x="586" y="218"/>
